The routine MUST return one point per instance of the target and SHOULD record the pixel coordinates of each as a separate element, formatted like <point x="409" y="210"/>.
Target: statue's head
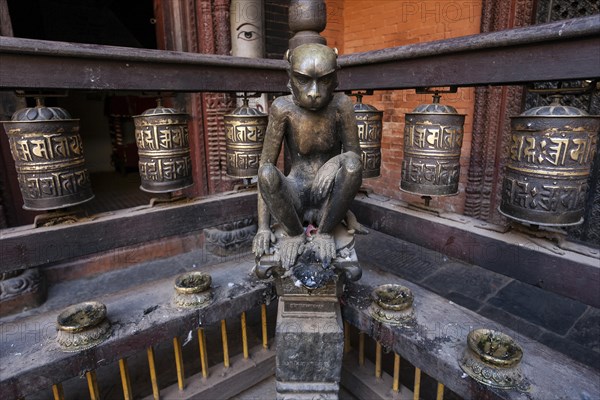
<point x="312" y="73"/>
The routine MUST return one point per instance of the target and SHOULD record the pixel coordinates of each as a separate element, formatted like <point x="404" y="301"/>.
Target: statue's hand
<point x="324" y="247"/>
<point x="324" y="180"/>
<point x="291" y="248"/>
<point x="262" y="242"/>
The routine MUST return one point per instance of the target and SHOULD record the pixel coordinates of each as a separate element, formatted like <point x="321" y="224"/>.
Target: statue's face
<point x="313" y="75"/>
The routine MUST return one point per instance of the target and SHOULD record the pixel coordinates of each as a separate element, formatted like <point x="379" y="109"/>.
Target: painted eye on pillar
<point x="250" y="34"/>
<point x="247" y="35"/>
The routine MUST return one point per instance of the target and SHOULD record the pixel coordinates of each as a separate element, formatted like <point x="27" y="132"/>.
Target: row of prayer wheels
<point x="546" y="179"/>
<point x="48" y="152"/>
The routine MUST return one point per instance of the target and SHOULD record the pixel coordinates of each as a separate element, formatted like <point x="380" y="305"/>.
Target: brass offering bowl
<point x="192" y="290"/>
<point x="82" y="326"/>
<point x="492" y="358"/>
<point x="392" y="304"/>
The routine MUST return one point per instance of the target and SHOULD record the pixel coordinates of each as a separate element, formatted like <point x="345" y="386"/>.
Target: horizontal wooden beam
<point x="25" y="247"/>
<point x="42" y="64"/>
<point x="560" y="50"/>
<point x="569" y="274"/>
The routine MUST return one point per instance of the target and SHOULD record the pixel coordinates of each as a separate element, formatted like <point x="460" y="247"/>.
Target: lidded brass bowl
<point x="48" y="153"/>
<point x="550" y="157"/>
<point x="82" y="326"/>
<point x="392" y="304"/>
<point x="492" y="358"/>
<point x="192" y="290"/>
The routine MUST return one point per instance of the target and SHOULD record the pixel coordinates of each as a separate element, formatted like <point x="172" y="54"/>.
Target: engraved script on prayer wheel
<point x="550" y="157"/>
<point x="369" y="122"/>
<point x="433" y="135"/>
<point x="165" y="164"/>
<point x="245" y="132"/>
<point x="48" y="153"/>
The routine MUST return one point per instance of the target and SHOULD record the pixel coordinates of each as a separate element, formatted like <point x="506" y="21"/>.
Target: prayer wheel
<point x="48" y="153"/>
<point x="369" y="122"/>
<point x="245" y="132"/>
<point x="165" y="164"/>
<point x="550" y="157"/>
<point x="433" y="135"/>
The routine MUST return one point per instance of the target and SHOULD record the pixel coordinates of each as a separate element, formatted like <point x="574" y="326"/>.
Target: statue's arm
<point x="348" y="127"/>
<point x="270" y="153"/>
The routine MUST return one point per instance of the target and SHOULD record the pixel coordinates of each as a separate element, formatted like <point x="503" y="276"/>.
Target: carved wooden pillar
<point x="491" y="124"/>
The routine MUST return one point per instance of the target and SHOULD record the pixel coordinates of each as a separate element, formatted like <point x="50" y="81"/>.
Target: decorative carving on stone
<point x="20" y="290"/>
<point x="232" y="238"/>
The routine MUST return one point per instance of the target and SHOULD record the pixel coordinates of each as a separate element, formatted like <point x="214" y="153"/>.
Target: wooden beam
<point x="556" y="51"/>
<point x="559" y="50"/>
<point x="24" y="247"/>
<point x="570" y="274"/>
<point x="26" y="64"/>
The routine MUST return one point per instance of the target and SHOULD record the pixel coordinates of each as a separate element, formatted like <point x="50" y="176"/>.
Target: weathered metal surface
<point x="245" y="129"/>
<point x="551" y="153"/>
<point x="567" y="49"/>
<point x="26" y="247"/>
<point x="433" y="135"/>
<point x="48" y="153"/>
<point x="569" y="274"/>
<point x="161" y="135"/>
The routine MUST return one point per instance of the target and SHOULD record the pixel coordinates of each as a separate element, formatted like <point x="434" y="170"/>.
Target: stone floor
<point x="560" y="323"/>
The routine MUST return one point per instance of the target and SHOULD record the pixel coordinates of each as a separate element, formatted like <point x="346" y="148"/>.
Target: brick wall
<point x="378" y="24"/>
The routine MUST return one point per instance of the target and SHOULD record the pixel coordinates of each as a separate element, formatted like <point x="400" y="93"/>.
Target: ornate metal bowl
<point x="192" y="289"/>
<point x="82" y="326"/>
<point x="392" y="304"/>
<point x="492" y="358"/>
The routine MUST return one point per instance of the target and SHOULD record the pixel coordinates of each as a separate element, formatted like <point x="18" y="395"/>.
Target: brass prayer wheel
<point x="550" y="157"/>
<point x="433" y="135"/>
<point x="165" y="164"/>
<point x="370" y="126"/>
<point x="245" y="132"/>
<point x="48" y="153"/>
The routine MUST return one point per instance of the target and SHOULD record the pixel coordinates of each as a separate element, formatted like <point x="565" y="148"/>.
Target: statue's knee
<point x="353" y="164"/>
<point x="268" y="178"/>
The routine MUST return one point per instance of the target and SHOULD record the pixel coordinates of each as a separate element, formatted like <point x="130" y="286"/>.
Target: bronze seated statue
<point x="319" y="130"/>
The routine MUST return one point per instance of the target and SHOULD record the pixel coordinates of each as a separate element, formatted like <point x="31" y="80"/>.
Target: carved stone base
<point x="229" y="239"/>
<point x="310" y="343"/>
<point x="21" y="290"/>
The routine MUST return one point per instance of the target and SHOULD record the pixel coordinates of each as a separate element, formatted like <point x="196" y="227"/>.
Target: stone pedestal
<point x="310" y="341"/>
